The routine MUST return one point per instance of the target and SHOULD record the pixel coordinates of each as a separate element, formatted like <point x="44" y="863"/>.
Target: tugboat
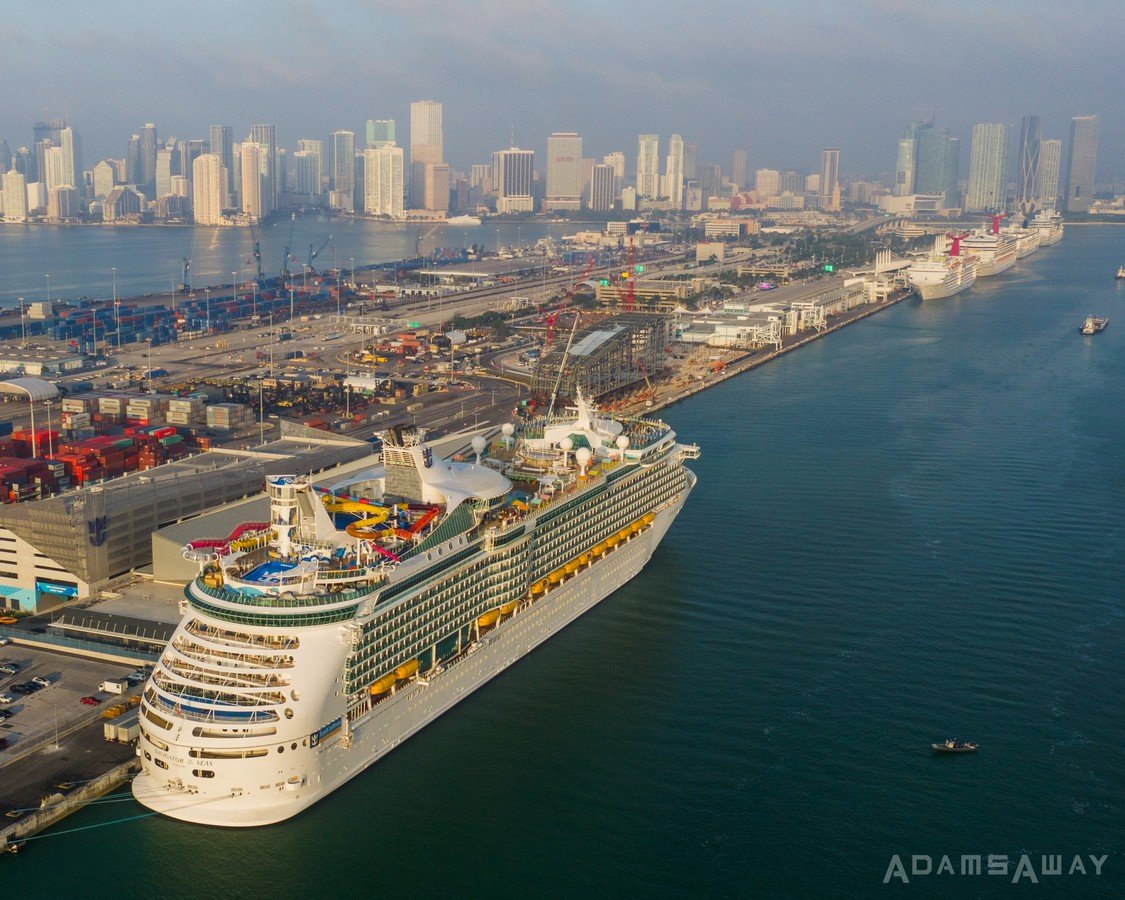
<point x="955" y="746"/>
<point x="1093" y="325"/>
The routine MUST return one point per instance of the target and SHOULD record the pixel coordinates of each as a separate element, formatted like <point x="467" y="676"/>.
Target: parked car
<point x="6" y="698"/>
<point x="90" y="700"/>
<point x="6" y="714"/>
<point x="3" y="743"/>
<point x="20" y="688"/>
<point x="9" y="668"/>
<point x="41" y="681"/>
<point x="5" y="641"/>
<point x="136" y="677"/>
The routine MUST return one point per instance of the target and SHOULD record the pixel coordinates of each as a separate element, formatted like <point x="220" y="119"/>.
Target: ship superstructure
<point x="1050" y="227"/>
<point x="944" y="272"/>
<point x="311" y="647"/>
<point x="995" y="251"/>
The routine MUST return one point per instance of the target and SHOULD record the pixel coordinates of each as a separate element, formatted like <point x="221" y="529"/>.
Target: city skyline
<point x="487" y="58"/>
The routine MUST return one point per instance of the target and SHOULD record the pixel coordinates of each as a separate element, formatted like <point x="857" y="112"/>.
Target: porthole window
<point x="280" y="749"/>
<point x="288" y="713"/>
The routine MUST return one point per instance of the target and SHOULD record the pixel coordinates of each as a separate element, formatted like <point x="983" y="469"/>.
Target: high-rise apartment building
<point x="164" y="169"/>
<point x="988" y="168"/>
<point x="603" y="182"/>
<point x="254" y="184"/>
<point x="380" y="133"/>
<point x="265" y="136"/>
<point x="209" y="188"/>
<point x="617" y="160"/>
<point x="54" y="168"/>
<point x="514" y="180"/>
<point x="564" y="172"/>
<point x="343" y="162"/>
<point x="435" y="188"/>
<point x="15" y="196"/>
<point x="71" y="146"/>
<point x="674" y="172"/>
<point x="383" y="181"/>
<point x="1047" y="174"/>
<point x="1027" y="162"/>
<point x="829" y="184"/>
<point x="740" y="168"/>
<point x="648" y="166"/>
<point x="1080" y="161"/>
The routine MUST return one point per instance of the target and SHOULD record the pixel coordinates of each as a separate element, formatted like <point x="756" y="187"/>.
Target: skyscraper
<point x="617" y="160"/>
<point x="905" y="166"/>
<point x="564" y="171"/>
<point x="648" y="166"/>
<point x="222" y="145"/>
<point x="602" y="193"/>
<point x="1027" y="162"/>
<point x="426" y="145"/>
<point x="164" y="170"/>
<point x="254" y="183"/>
<point x="1080" y="160"/>
<point x="104" y="179"/>
<point x="936" y="157"/>
<point x="209" y="188"/>
<point x="380" y="132"/>
<point x="265" y="136"/>
<point x="988" y="168"/>
<point x="54" y="168"/>
<point x="829" y="185"/>
<point x="766" y="183"/>
<point x="514" y="176"/>
<point x="342" y="167"/>
<point x="740" y="168"/>
<point x="1047" y="175"/>
<point x="15" y="196"/>
<point x="383" y="185"/>
<point x="146" y="176"/>
<point x="71" y="146"/>
<point x="674" y="172"/>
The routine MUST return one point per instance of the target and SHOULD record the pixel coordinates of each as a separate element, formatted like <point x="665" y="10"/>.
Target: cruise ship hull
<point x="941" y="290"/>
<point x="255" y="797"/>
<point x="989" y="264"/>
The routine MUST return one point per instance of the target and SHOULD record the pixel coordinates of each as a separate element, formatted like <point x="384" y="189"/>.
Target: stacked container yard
<point x="186" y="411"/>
<point x="229" y="416"/>
<point x="146" y="410"/>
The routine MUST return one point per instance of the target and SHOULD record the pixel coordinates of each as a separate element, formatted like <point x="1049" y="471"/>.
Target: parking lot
<point x="36" y="716"/>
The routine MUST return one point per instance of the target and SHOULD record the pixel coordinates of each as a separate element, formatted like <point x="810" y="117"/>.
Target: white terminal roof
<point x="594" y="340"/>
<point x="35" y="388"/>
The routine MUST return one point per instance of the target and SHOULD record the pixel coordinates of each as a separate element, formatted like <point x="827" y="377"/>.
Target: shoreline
<point x="750" y="361"/>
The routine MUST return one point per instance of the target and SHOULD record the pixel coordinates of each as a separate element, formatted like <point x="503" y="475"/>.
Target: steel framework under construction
<point x="614" y="353"/>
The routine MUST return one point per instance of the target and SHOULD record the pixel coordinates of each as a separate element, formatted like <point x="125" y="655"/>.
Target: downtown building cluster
<point x="221" y="181"/>
<point x="928" y="161"/>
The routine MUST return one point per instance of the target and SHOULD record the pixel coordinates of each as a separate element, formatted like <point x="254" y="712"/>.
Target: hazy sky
<point x="782" y="78"/>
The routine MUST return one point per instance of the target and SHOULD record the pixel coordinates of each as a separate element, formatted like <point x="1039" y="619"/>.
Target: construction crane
<point x="313" y="254"/>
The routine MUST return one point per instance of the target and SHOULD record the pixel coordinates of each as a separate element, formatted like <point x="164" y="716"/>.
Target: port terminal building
<point x="68" y="546"/>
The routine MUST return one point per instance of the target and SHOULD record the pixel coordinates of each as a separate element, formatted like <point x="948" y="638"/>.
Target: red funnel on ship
<point x="955" y="249"/>
<point x="996" y="222"/>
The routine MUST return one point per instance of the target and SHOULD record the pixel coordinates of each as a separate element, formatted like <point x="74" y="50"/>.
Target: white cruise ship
<point x="995" y="252"/>
<point x="307" y="650"/>
<point x="1027" y="239"/>
<point x="1050" y="227"/>
<point x="944" y="272"/>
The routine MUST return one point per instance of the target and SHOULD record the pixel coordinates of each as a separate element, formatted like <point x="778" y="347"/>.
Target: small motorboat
<point x="955" y="746"/>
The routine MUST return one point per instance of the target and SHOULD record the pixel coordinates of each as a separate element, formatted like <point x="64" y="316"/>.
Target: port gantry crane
<point x="313" y="254"/>
<point x="286" y="254"/>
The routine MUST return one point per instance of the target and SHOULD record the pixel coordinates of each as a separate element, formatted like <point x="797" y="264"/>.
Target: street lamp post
<point x="291" y="308"/>
<point x="23" y="321"/>
<point x="116" y="309"/>
<point x="234" y="286"/>
<point x="207" y="298"/>
<point x="48" y="277"/>
<point x="261" y="415"/>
